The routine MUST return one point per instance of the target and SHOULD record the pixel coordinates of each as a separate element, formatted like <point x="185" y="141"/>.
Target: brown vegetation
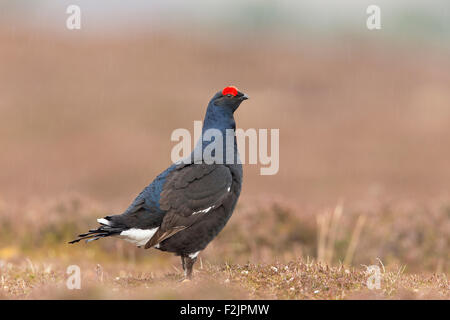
<point x="364" y="177"/>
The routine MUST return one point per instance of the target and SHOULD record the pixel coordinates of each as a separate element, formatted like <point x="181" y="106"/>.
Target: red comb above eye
<point x="230" y="90"/>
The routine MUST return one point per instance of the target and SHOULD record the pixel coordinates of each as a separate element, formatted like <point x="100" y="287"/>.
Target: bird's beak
<point x="245" y="97"/>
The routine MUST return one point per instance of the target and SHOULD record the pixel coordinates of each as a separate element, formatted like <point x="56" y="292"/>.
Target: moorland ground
<point x="364" y="128"/>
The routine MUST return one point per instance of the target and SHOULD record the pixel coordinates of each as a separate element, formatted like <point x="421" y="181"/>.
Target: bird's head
<point x="220" y="116"/>
<point x="229" y="98"/>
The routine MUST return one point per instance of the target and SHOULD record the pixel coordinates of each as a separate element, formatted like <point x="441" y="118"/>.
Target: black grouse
<point x="188" y="204"/>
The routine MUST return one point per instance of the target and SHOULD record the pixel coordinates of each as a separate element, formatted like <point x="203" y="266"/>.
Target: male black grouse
<point x="188" y="204"/>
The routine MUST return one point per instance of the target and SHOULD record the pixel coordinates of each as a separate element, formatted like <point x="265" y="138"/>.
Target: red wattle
<point x="230" y="90"/>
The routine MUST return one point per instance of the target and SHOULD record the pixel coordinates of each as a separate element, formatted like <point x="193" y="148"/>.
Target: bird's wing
<point x="189" y="193"/>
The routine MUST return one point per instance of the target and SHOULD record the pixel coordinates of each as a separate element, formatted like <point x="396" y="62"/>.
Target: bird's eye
<point x="229" y="95"/>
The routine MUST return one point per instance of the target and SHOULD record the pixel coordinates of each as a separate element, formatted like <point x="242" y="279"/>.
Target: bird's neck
<point x="218" y="122"/>
<point x="218" y="118"/>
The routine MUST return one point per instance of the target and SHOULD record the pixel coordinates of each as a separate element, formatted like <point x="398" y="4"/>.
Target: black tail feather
<point x="95" y="234"/>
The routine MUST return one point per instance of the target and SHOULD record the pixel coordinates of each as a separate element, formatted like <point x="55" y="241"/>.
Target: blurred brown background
<point x="95" y="115"/>
<point x="364" y="119"/>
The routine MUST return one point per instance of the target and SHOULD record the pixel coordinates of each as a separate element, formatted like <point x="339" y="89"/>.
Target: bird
<point x="186" y="206"/>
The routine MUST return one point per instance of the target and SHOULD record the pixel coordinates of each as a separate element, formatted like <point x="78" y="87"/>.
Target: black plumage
<point x="188" y="204"/>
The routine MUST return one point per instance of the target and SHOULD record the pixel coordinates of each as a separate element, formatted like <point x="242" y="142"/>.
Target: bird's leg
<point x="183" y="263"/>
<point x="189" y="263"/>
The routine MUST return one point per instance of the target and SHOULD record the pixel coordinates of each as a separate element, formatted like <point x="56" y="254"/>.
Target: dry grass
<point x="294" y="280"/>
<point x="85" y="124"/>
<point x="396" y="234"/>
<point x="34" y="260"/>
